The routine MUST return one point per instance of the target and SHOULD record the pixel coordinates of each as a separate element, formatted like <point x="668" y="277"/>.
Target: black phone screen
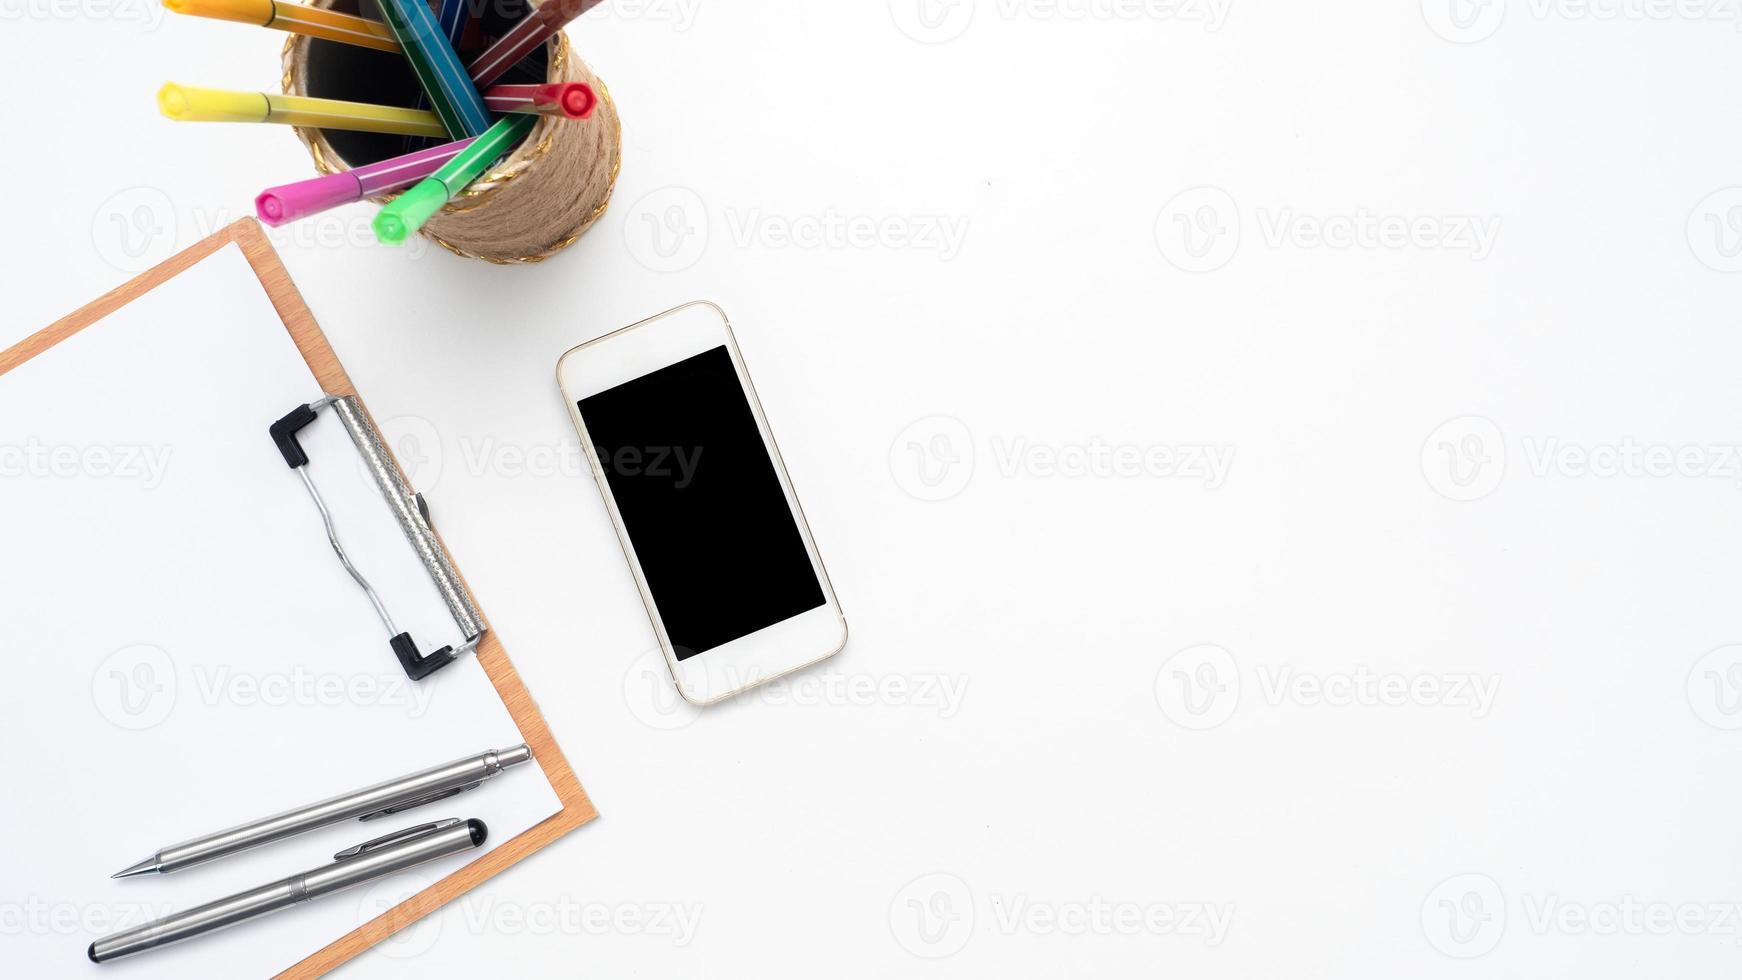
<point x="701" y="502"/>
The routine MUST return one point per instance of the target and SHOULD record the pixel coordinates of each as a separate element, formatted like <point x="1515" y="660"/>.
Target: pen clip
<point x="420" y="801"/>
<point x="397" y="837"/>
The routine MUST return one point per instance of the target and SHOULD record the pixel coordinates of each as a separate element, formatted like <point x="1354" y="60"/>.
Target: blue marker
<point x="451" y="92"/>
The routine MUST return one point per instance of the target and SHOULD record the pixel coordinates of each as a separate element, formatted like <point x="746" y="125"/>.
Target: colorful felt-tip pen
<point x="525" y="37"/>
<point x="296" y="18"/>
<point x="406" y="213"/>
<point x="452" y="16"/>
<point x="438" y="68"/>
<point x="188" y="103"/>
<point x="288" y="202"/>
<point x="571" y="100"/>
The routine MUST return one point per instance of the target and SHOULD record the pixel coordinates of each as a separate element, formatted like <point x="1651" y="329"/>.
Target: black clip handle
<point x="417" y="666"/>
<point x="284" y="435"/>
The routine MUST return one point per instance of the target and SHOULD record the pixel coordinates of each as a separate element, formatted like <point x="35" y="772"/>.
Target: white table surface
<point x="1307" y="713"/>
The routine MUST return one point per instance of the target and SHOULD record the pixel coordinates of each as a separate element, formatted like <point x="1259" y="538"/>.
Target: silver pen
<point x="353" y="866"/>
<point x="380" y="800"/>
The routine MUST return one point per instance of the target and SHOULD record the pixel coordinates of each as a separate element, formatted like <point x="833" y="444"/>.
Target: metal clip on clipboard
<point x="413" y="515"/>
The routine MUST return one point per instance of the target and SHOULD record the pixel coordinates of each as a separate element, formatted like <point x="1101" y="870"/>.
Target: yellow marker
<point x="185" y="103"/>
<point x="295" y="18"/>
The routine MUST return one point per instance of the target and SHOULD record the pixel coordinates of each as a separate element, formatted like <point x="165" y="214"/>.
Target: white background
<point x="1100" y="754"/>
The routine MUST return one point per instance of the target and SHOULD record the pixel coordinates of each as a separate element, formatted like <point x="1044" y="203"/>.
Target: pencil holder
<point x="534" y="202"/>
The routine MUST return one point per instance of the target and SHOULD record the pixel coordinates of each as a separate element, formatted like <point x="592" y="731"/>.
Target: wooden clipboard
<point x="576" y="808"/>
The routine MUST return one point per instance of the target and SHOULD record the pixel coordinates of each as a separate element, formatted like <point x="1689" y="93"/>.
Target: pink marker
<point x="288" y="202"/>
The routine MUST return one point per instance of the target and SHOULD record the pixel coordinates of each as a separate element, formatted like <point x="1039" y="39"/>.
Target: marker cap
<point x="401" y="218"/>
<point x="578" y="100"/>
<point x="188" y="103"/>
<point x="256" y="12"/>
<point x="288" y="202"/>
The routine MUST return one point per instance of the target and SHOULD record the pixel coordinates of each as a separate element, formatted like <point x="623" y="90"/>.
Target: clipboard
<point x="576" y="808"/>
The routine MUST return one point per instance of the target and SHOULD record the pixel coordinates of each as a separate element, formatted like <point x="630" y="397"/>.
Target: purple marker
<point x="288" y="202"/>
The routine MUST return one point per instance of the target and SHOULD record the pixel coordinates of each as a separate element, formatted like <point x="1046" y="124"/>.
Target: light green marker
<point x="405" y="214"/>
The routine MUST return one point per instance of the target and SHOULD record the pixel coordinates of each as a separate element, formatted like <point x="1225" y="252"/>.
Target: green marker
<point x="405" y="214"/>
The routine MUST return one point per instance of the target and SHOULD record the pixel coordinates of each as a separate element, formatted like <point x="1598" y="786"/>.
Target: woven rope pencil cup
<point x="530" y="204"/>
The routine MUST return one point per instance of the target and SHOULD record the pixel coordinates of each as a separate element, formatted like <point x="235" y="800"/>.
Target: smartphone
<point x="702" y="503"/>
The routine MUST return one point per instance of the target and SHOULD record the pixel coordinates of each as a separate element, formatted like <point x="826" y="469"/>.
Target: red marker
<point x="572" y="100"/>
<point x="525" y="37"/>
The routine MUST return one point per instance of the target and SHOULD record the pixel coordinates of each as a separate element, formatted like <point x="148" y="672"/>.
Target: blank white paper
<point x="182" y="650"/>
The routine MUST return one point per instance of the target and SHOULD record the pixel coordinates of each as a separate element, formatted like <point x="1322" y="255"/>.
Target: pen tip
<point x="145" y="867"/>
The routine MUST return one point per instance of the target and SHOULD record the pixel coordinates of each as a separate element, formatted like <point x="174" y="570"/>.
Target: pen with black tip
<point x="353" y="866"/>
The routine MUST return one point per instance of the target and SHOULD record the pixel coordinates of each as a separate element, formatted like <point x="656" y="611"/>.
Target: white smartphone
<point x="702" y="503"/>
